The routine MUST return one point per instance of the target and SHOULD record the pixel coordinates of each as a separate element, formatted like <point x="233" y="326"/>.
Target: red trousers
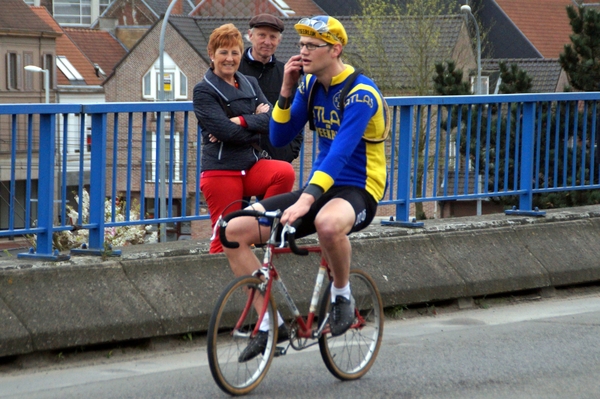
<point x="224" y="189"/>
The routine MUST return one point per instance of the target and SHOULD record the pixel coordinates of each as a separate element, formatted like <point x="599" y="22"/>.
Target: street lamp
<point x="466" y="9"/>
<point x="161" y="136"/>
<point x="33" y="68"/>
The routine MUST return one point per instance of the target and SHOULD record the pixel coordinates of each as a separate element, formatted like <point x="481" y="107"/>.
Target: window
<point x="485" y="84"/>
<point x="28" y="76"/>
<point x="72" y="12"/>
<point x="152" y="157"/>
<point x="48" y="63"/>
<point x="175" y="81"/>
<point x="77" y="12"/>
<point x="13" y="71"/>
<point x="69" y="70"/>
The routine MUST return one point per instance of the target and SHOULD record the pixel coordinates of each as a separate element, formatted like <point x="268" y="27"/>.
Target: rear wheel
<point x="349" y="356"/>
<point x="229" y="332"/>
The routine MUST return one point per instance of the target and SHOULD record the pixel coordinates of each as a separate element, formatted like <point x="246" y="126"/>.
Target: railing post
<point x="97" y="182"/>
<point x="404" y="170"/>
<point x="526" y="163"/>
<point x="45" y="219"/>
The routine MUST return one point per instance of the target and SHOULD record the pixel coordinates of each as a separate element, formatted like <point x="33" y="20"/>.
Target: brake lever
<point x="286" y="229"/>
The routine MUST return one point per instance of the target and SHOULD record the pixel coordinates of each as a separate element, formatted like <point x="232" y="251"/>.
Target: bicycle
<point x="235" y="321"/>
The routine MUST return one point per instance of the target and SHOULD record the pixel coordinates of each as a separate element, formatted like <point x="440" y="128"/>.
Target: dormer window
<point x="69" y="70"/>
<point x="174" y="81"/>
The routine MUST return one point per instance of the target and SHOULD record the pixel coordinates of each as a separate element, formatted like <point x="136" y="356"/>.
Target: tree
<point x="514" y="79"/>
<point x="415" y="28"/>
<point x="448" y="81"/>
<point x="581" y="59"/>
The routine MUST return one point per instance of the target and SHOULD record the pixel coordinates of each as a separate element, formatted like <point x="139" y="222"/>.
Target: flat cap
<point x="267" y="20"/>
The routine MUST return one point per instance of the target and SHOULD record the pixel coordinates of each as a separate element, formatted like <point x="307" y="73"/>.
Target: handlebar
<point x="270" y="216"/>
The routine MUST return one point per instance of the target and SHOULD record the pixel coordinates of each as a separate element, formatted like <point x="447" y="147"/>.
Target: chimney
<point x="178" y="8"/>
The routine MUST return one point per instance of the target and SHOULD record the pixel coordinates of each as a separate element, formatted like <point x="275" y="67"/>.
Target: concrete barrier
<point x="171" y="288"/>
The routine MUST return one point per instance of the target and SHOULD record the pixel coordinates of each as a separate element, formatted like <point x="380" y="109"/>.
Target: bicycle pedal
<point x="280" y="351"/>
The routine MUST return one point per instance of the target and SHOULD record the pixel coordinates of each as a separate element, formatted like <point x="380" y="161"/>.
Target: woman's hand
<point x="212" y="138"/>
<point x="262" y="108"/>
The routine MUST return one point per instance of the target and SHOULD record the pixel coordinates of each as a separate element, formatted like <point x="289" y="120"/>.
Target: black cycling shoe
<point x="258" y="344"/>
<point x="342" y="315"/>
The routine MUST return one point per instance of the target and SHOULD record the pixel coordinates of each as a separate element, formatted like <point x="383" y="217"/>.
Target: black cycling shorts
<point x="365" y="206"/>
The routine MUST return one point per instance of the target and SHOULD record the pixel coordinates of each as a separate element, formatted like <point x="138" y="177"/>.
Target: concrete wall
<point x="171" y="288"/>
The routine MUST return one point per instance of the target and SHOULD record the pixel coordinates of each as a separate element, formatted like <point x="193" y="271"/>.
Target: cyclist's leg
<point x="349" y="209"/>
<point x="333" y="224"/>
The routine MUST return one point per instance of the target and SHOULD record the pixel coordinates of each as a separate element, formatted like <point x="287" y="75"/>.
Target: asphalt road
<point x="546" y="349"/>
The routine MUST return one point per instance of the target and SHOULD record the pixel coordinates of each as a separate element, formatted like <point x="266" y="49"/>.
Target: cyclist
<point x="348" y="177"/>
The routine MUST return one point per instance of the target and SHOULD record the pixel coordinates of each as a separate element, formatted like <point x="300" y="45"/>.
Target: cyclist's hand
<point x="291" y="75"/>
<point x="299" y="209"/>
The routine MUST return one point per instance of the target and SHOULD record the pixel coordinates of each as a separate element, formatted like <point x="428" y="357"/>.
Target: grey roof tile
<point x="544" y="72"/>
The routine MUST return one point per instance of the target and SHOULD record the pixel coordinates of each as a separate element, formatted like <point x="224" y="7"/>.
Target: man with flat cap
<point x="259" y="61"/>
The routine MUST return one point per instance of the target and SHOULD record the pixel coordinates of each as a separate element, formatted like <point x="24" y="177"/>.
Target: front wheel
<point x="350" y="355"/>
<point x="229" y="332"/>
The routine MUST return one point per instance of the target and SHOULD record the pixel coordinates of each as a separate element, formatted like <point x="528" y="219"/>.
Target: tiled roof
<point x="160" y="6"/>
<point x="303" y="8"/>
<point x="100" y="46"/>
<point x="545" y="72"/>
<point x="545" y="23"/>
<point x="337" y="8"/>
<point x="236" y="8"/>
<point x="196" y="30"/>
<point x="502" y="38"/>
<point x="65" y="47"/>
<point x="15" y="15"/>
<point x="224" y="8"/>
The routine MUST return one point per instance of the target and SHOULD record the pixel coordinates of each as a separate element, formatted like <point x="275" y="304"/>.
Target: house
<point x="25" y="40"/>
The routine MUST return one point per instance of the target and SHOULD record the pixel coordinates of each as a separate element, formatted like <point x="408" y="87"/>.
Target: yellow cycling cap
<point x="323" y="27"/>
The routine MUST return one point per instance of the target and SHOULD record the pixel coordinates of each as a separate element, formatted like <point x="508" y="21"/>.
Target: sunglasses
<point x="317" y="25"/>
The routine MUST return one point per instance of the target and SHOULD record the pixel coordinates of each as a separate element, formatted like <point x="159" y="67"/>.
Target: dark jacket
<point x="270" y="77"/>
<point x="234" y="149"/>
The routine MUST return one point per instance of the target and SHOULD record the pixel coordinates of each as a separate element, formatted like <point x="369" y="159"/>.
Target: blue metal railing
<point x="440" y="149"/>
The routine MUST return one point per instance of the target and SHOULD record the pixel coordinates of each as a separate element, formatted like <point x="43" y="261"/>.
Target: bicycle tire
<point x="226" y="343"/>
<point x="349" y="356"/>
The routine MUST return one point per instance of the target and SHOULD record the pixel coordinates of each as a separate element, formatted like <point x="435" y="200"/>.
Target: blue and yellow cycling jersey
<point x="344" y="158"/>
